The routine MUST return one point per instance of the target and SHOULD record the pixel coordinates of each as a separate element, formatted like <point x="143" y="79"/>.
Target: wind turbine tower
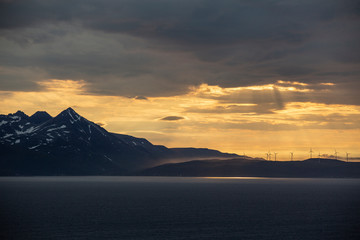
<point x="311" y="151"/>
<point x="292" y="156"/>
<point x="336" y="154"/>
<point x="347" y="157"/>
<point x="275" y="155"/>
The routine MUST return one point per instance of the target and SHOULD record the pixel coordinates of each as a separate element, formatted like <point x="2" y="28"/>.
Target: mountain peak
<point x="72" y="113"/>
<point x="40" y="113"/>
<point x="70" y="110"/>
<point x="20" y="114"/>
<point x="40" y="117"/>
<point x="69" y="114"/>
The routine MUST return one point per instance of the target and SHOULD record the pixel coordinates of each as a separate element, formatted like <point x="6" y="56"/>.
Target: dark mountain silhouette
<point x="69" y="144"/>
<point x="39" y="117"/>
<point x="245" y="167"/>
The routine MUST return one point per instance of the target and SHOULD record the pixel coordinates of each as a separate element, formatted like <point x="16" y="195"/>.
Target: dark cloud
<point x="141" y="98"/>
<point x="4" y="95"/>
<point x="102" y="124"/>
<point x="270" y="99"/>
<point x="217" y="22"/>
<point x="160" y="48"/>
<point x="172" y="118"/>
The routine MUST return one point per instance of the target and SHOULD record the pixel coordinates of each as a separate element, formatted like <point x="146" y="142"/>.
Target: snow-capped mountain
<point x="70" y="144"/>
<point x="13" y="127"/>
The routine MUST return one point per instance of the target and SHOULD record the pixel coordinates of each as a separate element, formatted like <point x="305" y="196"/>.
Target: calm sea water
<point x="178" y="208"/>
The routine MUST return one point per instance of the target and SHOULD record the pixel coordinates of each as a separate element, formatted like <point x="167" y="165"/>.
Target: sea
<point x="178" y="208"/>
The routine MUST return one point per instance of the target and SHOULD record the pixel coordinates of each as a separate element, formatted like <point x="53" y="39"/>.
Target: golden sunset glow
<point x="227" y="119"/>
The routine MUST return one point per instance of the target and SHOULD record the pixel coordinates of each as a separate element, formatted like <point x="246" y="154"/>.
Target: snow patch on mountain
<point x="3" y="122"/>
<point x="108" y="158"/>
<point x="33" y="147"/>
<point x="27" y="131"/>
<point x="53" y="129"/>
<point x="74" y="119"/>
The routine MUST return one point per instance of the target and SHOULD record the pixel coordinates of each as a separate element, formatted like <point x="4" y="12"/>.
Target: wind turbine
<point x="292" y="156"/>
<point x="275" y="155"/>
<point x="267" y="156"/>
<point x="347" y="157"/>
<point x="336" y="154"/>
<point x="311" y="151"/>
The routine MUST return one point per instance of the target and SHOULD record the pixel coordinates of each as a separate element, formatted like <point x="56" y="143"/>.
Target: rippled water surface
<point x="178" y="208"/>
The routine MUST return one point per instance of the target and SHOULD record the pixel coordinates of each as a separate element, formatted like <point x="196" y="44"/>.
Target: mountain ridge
<point x="69" y="144"/>
<point x="243" y="167"/>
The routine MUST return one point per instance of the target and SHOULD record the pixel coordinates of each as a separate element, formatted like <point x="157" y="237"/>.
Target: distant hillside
<point x="244" y="167"/>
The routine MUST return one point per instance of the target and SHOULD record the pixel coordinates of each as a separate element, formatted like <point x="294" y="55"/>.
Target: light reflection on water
<point x="241" y="178"/>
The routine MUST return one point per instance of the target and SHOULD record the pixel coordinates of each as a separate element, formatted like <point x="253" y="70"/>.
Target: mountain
<point x="246" y="167"/>
<point x="69" y="144"/>
<point x="40" y="117"/>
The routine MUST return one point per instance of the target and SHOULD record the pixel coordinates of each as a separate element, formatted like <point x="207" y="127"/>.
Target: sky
<point x="247" y="77"/>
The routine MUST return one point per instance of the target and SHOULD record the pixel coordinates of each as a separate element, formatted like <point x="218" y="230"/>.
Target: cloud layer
<point x="162" y="48"/>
